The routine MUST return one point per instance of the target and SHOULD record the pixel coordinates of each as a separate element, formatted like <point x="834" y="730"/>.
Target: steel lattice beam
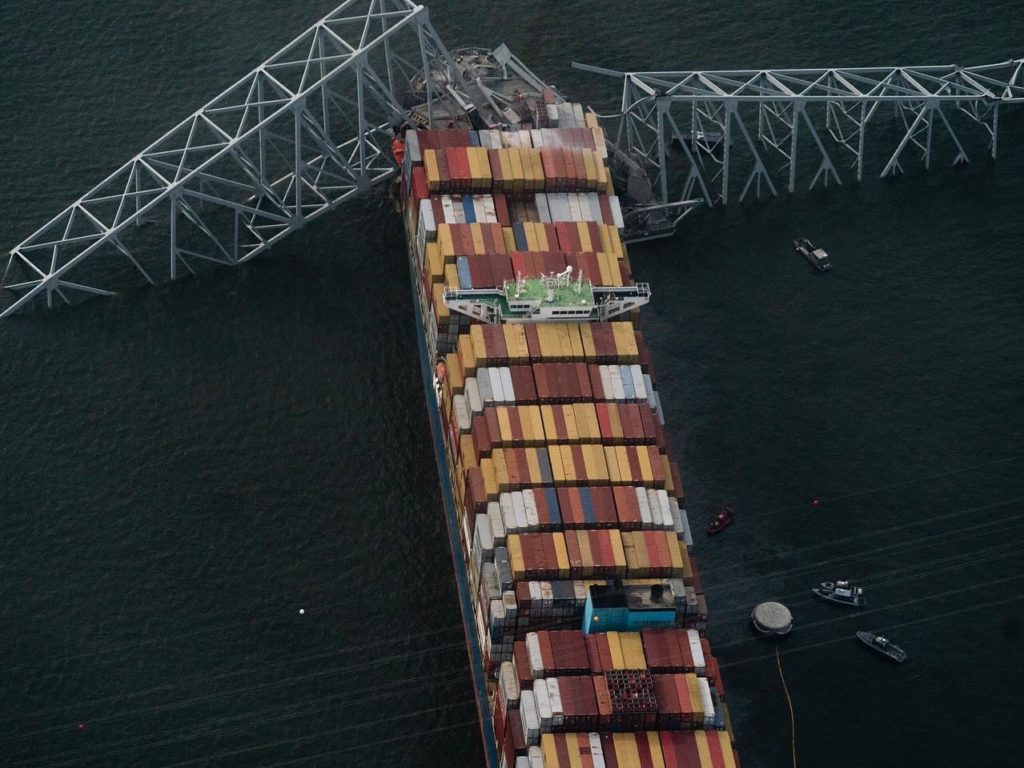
<point x="692" y="131"/>
<point x="303" y="132"/>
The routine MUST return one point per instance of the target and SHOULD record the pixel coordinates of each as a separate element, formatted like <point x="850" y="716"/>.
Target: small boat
<point x="722" y="521"/>
<point x="817" y="256"/>
<point x="883" y="646"/>
<point x="841" y="592"/>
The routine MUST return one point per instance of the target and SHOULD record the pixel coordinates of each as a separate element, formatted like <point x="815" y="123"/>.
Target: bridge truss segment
<point x="300" y="134"/>
<point x="694" y="131"/>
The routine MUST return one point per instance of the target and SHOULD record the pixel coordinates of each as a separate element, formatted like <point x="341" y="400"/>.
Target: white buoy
<point x="302" y="611"/>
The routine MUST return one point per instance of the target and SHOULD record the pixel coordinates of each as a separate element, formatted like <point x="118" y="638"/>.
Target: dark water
<point x="183" y="469"/>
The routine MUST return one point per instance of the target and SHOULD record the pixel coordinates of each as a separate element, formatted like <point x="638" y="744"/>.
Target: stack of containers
<point x="561" y="467"/>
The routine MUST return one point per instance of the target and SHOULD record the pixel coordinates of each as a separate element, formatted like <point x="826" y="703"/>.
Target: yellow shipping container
<point x="548" y="414"/>
<point x="510" y="239"/>
<point x="466" y="356"/>
<point x="626" y="753"/>
<point x="555" y="460"/>
<point x="468" y="451"/>
<point x="536" y="424"/>
<point x="505" y="162"/>
<point x="476" y="337"/>
<point x="701" y="737"/>
<point x="666" y="470"/>
<point x="435" y="262"/>
<point x="521" y="347"/>
<point x="478" y="239"/>
<point x="568" y="466"/>
<point x="615" y="424"/>
<point x="624" y="336"/>
<point x="615" y="650"/>
<point x="547" y="746"/>
<point x="586" y="421"/>
<point x="533" y="462"/>
<point x="453" y="372"/>
<point x="590" y="163"/>
<point x="445" y="242"/>
<point x="515" y="555"/>
<point x="597" y="467"/>
<point x="625" y="471"/>
<point x="696" y="703"/>
<point x="504" y="425"/>
<point x="587" y="341"/>
<point x="572" y="429"/>
<point x="611" y="461"/>
<point x="644" y="460"/>
<point x="561" y="555"/>
<point x="617" y="551"/>
<point x="490" y="482"/>
<point x="584" y="233"/>
<point x="725" y="746"/>
<point x="432" y="171"/>
<point x="576" y="341"/>
<point x="674" y="552"/>
<point x="441" y="311"/>
<point x="632" y="650"/>
<point x="586" y="554"/>
<point x="517" y="174"/>
<point x="500" y="470"/>
<point x="451" y="277"/>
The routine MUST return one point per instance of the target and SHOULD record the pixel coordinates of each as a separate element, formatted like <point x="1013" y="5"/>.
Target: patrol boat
<point x="841" y="592"/>
<point x="883" y="646"/>
<point x="817" y="256"/>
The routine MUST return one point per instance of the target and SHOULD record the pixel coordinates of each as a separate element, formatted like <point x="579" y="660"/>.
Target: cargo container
<point x="556" y="471"/>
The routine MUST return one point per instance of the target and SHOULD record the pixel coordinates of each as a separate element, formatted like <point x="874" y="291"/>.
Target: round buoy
<point x="81" y="726"/>
<point x="302" y="611"/>
<point x="772" y="619"/>
<point x="816" y="501"/>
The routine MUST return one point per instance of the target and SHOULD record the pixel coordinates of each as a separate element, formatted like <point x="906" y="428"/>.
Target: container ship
<point x="581" y="600"/>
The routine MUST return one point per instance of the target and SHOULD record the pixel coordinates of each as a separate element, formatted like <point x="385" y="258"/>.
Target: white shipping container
<point x="617" y="220"/>
<point x="707" y="701"/>
<point x="497" y="523"/>
<point x="509" y="682"/>
<point x="615" y="376"/>
<point x="522" y="761"/>
<point x="482" y="534"/>
<point x="537" y="138"/>
<point x="473" y="398"/>
<point x="490" y="212"/>
<point x="652" y="502"/>
<point x="496" y="388"/>
<point x="649" y="388"/>
<point x="461" y="413"/>
<point x="639" y="385"/>
<point x="645" y="509"/>
<point x="666" y="508"/>
<point x="536" y="757"/>
<point x="540" y="693"/>
<point x="427" y="225"/>
<point x="553" y="115"/>
<point x="596" y="751"/>
<point x="657" y="409"/>
<point x="507" y="389"/>
<point x="574" y="208"/>
<point x="534" y="655"/>
<point x="412" y="146"/>
<point x="508" y="512"/>
<point x="530" y="508"/>
<point x="519" y="504"/>
<point x="448" y="208"/>
<point x="606" y="382"/>
<point x="531" y="722"/>
<point x="696" y="651"/>
<point x="543" y="213"/>
<point x="579" y="121"/>
<point x="555" y="697"/>
<point x="535" y="593"/>
<point x="483" y="380"/>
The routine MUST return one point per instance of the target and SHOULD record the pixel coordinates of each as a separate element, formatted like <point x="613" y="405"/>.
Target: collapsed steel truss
<point x="692" y="131"/>
<point x="303" y="132"/>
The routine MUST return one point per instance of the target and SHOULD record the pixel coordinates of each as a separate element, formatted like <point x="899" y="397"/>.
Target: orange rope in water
<point x="792" y="717"/>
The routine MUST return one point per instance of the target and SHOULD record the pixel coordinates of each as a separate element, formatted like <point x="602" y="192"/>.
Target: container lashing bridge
<point x="310" y="128"/>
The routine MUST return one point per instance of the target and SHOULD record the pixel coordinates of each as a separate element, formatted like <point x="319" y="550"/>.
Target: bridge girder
<point x="693" y="130"/>
<point x="300" y="134"/>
